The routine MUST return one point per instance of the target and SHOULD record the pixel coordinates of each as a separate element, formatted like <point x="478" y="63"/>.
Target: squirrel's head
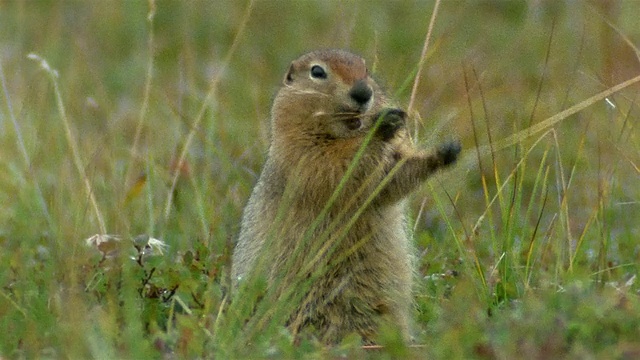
<point x="327" y="93"/>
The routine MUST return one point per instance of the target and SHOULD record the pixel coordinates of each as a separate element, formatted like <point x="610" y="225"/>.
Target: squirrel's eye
<point x="317" y="72"/>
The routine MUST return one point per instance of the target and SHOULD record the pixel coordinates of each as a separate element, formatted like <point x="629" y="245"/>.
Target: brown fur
<point x="354" y="269"/>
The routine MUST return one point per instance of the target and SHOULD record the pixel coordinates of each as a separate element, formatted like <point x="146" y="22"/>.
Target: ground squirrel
<point x="337" y="249"/>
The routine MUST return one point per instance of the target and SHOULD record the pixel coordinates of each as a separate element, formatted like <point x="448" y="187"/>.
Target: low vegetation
<point x="149" y="120"/>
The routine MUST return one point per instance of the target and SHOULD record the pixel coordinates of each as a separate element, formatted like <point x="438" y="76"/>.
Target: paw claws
<point x="448" y="152"/>
<point x="390" y="121"/>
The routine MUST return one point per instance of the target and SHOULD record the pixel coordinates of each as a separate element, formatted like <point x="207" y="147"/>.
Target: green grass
<point x="529" y="247"/>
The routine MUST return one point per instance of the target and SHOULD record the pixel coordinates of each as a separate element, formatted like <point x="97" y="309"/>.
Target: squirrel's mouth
<point x="352" y="117"/>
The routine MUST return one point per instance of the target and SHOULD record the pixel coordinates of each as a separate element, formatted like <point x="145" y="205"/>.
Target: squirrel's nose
<point x="361" y="92"/>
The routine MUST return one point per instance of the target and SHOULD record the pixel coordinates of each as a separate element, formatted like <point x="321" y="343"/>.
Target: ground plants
<point x="149" y="118"/>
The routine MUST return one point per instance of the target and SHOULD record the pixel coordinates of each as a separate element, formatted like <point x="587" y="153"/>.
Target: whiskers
<point x="341" y="115"/>
<point x="306" y="92"/>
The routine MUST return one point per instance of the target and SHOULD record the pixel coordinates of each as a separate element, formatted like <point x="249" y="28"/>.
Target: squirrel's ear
<point x="288" y="79"/>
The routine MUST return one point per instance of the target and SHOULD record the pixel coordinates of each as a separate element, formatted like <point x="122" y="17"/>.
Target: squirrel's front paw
<point x="448" y="152"/>
<point x="391" y="120"/>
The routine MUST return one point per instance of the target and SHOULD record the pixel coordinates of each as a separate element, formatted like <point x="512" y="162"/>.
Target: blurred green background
<point x="567" y="202"/>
